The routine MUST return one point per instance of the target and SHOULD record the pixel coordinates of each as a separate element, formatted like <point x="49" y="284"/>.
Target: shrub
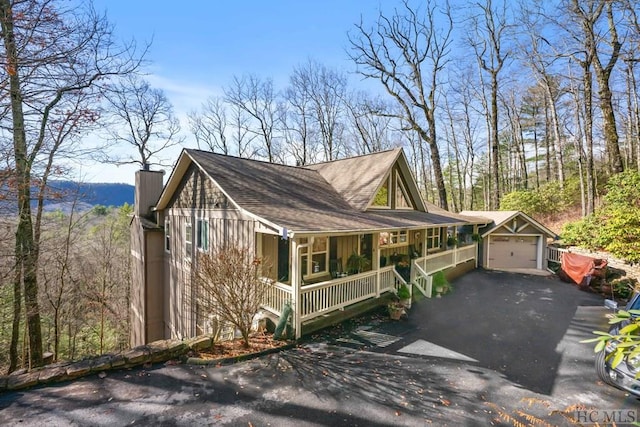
<point x="615" y="227"/>
<point x="548" y="199"/>
<point x="403" y="292"/>
<point x="230" y="287"/>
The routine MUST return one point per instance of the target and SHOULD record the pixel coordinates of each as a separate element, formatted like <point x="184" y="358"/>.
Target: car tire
<point x="603" y="370"/>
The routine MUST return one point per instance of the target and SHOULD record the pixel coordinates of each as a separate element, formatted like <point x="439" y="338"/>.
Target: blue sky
<point x="198" y="46"/>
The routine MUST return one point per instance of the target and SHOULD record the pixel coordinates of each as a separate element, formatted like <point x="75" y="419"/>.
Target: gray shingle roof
<point x="357" y="179"/>
<point x="302" y="199"/>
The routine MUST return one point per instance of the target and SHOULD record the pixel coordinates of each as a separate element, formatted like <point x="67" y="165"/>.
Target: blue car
<point x="625" y="375"/>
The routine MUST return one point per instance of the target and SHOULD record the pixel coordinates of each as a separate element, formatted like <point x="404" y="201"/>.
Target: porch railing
<point x="321" y="298"/>
<point x="276" y="295"/>
<point x="465" y="253"/>
<point x="555" y="254"/>
<point x="425" y="267"/>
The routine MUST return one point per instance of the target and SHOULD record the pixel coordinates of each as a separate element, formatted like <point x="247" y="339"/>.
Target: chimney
<point x="148" y="189"/>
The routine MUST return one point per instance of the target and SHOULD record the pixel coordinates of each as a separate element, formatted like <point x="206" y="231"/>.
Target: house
<point x="512" y="240"/>
<point x="308" y="221"/>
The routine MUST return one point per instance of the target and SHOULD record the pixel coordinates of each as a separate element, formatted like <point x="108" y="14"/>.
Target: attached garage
<point x="512" y="240"/>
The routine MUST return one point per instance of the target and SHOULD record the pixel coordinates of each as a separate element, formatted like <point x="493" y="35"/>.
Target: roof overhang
<point x="515" y="214"/>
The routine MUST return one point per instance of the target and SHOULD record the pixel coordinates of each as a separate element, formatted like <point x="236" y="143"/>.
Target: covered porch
<point x="322" y="275"/>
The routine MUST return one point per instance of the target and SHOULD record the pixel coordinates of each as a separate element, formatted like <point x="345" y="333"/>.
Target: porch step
<point x="339" y="316"/>
<point x="363" y="336"/>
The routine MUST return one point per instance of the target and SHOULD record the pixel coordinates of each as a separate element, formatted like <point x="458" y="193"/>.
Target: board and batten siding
<point x="197" y="198"/>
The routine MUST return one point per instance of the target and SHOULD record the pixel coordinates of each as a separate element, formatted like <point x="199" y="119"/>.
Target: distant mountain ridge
<point x="69" y="195"/>
<point x="90" y="193"/>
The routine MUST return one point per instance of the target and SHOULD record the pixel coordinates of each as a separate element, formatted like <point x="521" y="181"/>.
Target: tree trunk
<point x="555" y="124"/>
<point x="17" y="314"/>
<point x="495" y="143"/>
<point x="609" y="125"/>
<point x="588" y="128"/>
<point x="25" y="246"/>
<point x="603" y="74"/>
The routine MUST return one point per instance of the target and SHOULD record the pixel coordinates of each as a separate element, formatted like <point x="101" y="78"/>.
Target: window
<point x="203" y="235"/>
<point x="383" y="197"/>
<point x="167" y="235"/>
<point x="319" y="255"/>
<point x="314" y="260"/>
<point x="393" y="238"/>
<point x="402" y="197"/>
<point x="188" y="239"/>
<point x="433" y="238"/>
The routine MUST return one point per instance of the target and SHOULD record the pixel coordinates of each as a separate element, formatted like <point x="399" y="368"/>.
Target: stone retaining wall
<point x="155" y="352"/>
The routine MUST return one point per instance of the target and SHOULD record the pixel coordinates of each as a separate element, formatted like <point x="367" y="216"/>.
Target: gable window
<point x="433" y="238"/>
<point x="167" y="235"/>
<point x="188" y="239"/>
<point x="402" y="197"/>
<point x="383" y="197"/>
<point x="203" y="234"/>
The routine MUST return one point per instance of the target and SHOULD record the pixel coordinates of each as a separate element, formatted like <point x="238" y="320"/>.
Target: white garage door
<point x="513" y="252"/>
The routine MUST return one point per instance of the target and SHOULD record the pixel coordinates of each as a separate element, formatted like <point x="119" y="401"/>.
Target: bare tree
<point x="406" y="52"/>
<point x="371" y="122"/>
<point x="230" y="286"/>
<point x="326" y="90"/>
<point x="209" y="126"/>
<point x="603" y="75"/>
<point x="141" y="117"/>
<point x="534" y="50"/>
<point x="257" y="98"/>
<point x="487" y="40"/>
<point x="43" y="72"/>
<point x="633" y="20"/>
<point x="296" y="118"/>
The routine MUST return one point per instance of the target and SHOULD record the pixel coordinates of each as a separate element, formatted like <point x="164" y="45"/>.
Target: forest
<point x="529" y="105"/>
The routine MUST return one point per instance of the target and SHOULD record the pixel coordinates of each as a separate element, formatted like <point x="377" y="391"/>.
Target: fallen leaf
<point x="445" y="402"/>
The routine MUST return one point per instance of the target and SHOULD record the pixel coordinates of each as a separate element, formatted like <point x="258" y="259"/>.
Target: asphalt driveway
<point x="508" y="322"/>
<point x="497" y="343"/>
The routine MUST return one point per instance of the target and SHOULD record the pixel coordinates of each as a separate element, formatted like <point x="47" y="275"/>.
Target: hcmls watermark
<point x="604" y="416"/>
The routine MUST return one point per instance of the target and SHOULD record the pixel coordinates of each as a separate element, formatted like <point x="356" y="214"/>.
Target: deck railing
<point x="322" y="298"/>
<point x="425" y="267"/>
<point x="276" y="295"/>
<point x="555" y="254"/>
<point x="466" y="253"/>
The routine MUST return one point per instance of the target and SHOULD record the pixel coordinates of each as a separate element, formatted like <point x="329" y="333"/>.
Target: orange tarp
<point x="578" y="267"/>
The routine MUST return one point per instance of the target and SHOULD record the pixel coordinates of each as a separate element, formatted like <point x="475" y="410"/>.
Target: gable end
<point x="197" y="191"/>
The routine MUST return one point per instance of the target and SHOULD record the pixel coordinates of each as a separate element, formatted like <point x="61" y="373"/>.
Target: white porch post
<point x="456" y="254"/>
<point x="475" y="231"/>
<point x="295" y="288"/>
<point x="376" y="262"/>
